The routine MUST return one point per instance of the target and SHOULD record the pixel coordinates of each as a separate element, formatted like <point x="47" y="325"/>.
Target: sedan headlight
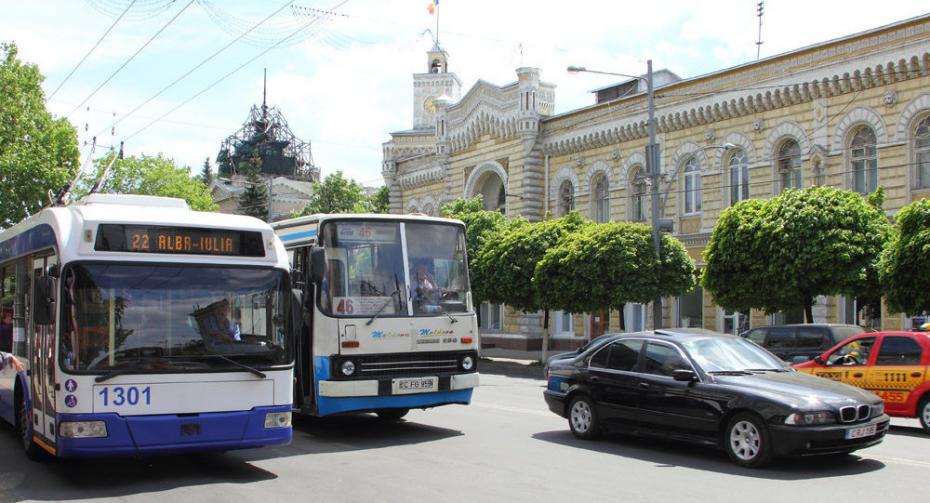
<point x="878" y="410"/>
<point x="810" y="418"/>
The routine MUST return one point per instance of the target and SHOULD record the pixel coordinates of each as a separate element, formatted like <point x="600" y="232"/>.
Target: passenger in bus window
<point x="6" y="331"/>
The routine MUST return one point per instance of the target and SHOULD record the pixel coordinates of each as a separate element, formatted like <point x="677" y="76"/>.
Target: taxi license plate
<point x="863" y="431"/>
<point x="414" y="385"/>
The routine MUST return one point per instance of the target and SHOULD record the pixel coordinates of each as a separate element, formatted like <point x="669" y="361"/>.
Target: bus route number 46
<point x="118" y="396"/>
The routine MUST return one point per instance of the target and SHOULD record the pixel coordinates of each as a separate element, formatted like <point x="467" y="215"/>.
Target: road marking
<point x="900" y="461"/>
<point x="517" y="410"/>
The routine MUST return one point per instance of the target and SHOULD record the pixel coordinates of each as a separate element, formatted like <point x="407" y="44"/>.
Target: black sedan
<point x="713" y="389"/>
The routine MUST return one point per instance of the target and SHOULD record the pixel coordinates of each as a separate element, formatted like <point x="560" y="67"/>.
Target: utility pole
<point x="653" y="168"/>
<point x="759" y="8"/>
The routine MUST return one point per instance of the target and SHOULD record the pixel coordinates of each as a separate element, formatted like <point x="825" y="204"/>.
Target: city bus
<point x="132" y="325"/>
<point x="388" y="319"/>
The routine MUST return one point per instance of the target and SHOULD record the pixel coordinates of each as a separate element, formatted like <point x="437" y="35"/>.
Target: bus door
<point x="303" y="331"/>
<point x="42" y="355"/>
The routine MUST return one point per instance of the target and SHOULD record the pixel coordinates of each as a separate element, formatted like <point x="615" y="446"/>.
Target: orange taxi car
<point x="893" y="365"/>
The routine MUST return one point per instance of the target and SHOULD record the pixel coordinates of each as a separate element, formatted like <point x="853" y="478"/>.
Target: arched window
<point x="864" y="160"/>
<point x="428" y="210"/>
<point x="637" y="195"/>
<point x="600" y="199"/>
<point x="739" y="176"/>
<point x="788" y="161"/>
<point x="922" y="153"/>
<point x="692" y="187"/>
<point x="566" y="198"/>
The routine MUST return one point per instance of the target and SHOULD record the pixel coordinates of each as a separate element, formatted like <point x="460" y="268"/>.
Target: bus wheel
<point x="391" y="414"/>
<point x="24" y="428"/>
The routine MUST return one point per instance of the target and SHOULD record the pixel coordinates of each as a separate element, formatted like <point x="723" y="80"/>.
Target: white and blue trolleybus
<point x="133" y="325"/>
<point x="389" y="323"/>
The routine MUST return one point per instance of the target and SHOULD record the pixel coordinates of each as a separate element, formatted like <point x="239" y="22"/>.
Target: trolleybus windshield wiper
<point x="227" y="359"/>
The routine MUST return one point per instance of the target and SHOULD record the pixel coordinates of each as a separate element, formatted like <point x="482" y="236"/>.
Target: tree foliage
<point x="512" y="257"/>
<point x="253" y="201"/>
<point x="206" y="173"/>
<point x="604" y="266"/>
<point x="380" y="201"/>
<point x="905" y="261"/>
<point x="481" y="227"/>
<point x="37" y="153"/>
<point x="781" y="253"/>
<point x="153" y="176"/>
<point x="336" y="194"/>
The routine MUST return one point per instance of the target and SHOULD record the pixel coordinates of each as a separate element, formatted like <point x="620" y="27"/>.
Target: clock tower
<point x="428" y="87"/>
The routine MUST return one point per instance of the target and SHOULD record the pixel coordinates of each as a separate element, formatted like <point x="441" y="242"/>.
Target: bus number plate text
<point x="414" y="385"/>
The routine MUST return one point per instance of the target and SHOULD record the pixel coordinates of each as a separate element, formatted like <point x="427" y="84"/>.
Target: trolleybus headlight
<point x="278" y="420"/>
<point x="468" y="363"/>
<point x="347" y="368"/>
<point x="83" y="429"/>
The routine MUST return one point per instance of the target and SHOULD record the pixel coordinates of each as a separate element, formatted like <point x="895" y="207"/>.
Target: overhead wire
<point x="224" y="77"/>
<point x="133" y="56"/>
<point x="92" y="49"/>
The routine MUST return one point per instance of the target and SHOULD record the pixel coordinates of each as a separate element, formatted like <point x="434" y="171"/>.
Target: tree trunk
<point x="622" y="318"/>
<point x="809" y="310"/>
<point x="544" y="354"/>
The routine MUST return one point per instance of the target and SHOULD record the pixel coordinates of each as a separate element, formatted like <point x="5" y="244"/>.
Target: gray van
<point x="802" y="342"/>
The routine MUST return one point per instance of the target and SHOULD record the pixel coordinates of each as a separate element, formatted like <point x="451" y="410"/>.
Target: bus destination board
<point x="180" y="240"/>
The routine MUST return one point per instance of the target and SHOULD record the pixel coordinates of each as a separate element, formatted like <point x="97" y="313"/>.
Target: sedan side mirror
<point x="684" y="375"/>
<point x="819" y="359"/>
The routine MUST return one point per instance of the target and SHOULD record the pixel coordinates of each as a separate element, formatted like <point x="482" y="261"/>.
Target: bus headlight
<point x="347" y="368"/>
<point x="83" y="429"/>
<point x="278" y="420"/>
<point x="468" y="363"/>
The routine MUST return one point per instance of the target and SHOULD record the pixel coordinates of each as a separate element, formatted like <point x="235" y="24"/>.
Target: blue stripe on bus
<point x="40" y="236"/>
<point x="170" y="433"/>
<point x="329" y="405"/>
<point x="298" y="235"/>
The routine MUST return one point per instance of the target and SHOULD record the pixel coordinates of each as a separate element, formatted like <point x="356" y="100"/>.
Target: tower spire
<point x="265" y="94"/>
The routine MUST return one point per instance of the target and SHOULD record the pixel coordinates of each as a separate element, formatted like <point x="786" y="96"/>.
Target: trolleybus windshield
<point x="145" y="318"/>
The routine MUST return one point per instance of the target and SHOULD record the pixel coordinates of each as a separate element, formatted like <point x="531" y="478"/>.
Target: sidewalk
<point x="511" y="362"/>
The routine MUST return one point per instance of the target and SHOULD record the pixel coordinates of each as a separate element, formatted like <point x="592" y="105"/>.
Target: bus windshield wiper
<point x="382" y="308"/>
<point x="113" y="373"/>
<point x="443" y="311"/>
<point x="227" y="359"/>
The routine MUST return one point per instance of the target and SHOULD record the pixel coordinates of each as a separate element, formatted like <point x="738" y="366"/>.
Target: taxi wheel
<point x="582" y="418"/>
<point x="747" y="441"/>
<point x="923" y="413"/>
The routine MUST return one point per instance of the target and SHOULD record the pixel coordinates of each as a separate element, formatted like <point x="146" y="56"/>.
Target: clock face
<point x="430" y="104"/>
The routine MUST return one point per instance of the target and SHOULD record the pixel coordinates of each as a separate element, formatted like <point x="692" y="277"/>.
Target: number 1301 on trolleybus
<point x="137" y="326"/>
<point x="389" y="323"/>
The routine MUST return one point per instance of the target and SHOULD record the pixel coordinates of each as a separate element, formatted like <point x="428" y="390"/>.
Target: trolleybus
<point x="389" y="322"/>
<point x="138" y="326"/>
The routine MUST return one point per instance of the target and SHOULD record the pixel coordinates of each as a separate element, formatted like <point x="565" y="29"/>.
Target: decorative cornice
<point x="420" y="178"/>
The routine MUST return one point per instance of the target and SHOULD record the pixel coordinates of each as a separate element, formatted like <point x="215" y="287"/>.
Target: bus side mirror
<point x="44" y="311"/>
<point x="317" y="265"/>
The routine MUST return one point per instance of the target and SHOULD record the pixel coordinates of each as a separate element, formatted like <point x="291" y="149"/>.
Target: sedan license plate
<point x="414" y="385"/>
<point x="863" y="431"/>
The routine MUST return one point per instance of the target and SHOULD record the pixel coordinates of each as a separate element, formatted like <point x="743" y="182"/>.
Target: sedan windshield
<point x="731" y="355"/>
<point x="163" y="317"/>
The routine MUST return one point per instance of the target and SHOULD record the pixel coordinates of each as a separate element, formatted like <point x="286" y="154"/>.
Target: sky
<point x="341" y="71"/>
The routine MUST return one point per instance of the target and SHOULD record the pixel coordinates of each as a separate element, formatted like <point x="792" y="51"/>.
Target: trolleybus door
<point x="42" y="358"/>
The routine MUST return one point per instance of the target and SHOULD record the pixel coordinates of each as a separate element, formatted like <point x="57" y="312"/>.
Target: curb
<point x="512" y="368"/>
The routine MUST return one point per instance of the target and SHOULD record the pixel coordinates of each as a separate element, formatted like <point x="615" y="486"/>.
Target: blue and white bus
<point x="133" y="325"/>
<point x="389" y="323"/>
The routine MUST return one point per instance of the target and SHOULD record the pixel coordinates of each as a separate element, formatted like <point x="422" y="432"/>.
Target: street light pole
<point x="653" y="168"/>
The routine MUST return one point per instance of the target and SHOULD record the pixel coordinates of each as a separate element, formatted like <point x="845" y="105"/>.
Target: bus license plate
<point x="414" y="385"/>
<point x="864" y="431"/>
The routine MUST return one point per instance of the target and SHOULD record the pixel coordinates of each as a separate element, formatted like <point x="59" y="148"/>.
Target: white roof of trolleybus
<point x="70" y="223"/>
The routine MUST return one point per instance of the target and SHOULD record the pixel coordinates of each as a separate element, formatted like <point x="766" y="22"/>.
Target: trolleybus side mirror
<point x="45" y="303"/>
<point x="317" y="265"/>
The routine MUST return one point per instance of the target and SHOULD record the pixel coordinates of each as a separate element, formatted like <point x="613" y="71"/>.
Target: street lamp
<point x="652" y="168"/>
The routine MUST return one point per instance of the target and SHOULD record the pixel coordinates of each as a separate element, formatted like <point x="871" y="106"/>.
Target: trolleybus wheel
<point x="24" y="428"/>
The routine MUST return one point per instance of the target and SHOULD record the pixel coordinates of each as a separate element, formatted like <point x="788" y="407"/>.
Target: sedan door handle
<point x="644" y="385"/>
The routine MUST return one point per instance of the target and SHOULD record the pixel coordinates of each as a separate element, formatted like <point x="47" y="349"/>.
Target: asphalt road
<point x="506" y="446"/>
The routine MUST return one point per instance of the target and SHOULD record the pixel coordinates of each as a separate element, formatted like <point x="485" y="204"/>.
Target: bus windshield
<point x="366" y="273"/>
<point x="169" y="317"/>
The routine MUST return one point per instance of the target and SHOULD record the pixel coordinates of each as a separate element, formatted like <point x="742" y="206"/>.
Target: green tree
<point x="380" y="201"/>
<point x="37" y="153"/>
<point x="511" y="258"/>
<point x="781" y="253"/>
<point x="206" y="173"/>
<point x="905" y="261"/>
<point x="336" y="194"/>
<point x="153" y="176"/>
<point x="254" y="199"/>
<point x="481" y="227"/>
<point x="604" y="266"/>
